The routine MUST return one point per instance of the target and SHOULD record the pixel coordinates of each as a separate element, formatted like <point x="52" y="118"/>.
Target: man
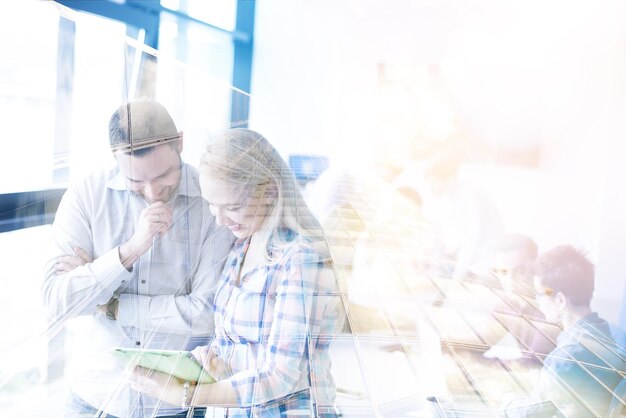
<point x="509" y="259"/>
<point x="137" y="255"/>
<point x="580" y="375"/>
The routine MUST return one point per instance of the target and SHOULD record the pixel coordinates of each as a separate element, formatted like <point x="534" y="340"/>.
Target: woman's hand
<point x="157" y="385"/>
<point x="171" y="390"/>
<point x="208" y="358"/>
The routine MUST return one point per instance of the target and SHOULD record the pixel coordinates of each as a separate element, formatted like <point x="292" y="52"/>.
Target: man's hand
<point x="155" y="219"/>
<point x="113" y="304"/>
<point x="68" y="263"/>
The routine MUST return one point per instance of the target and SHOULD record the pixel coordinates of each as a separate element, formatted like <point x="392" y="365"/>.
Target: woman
<point x="277" y="304"/>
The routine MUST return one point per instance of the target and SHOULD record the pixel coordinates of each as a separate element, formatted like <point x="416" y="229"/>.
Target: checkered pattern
<point x="273" y="329"/>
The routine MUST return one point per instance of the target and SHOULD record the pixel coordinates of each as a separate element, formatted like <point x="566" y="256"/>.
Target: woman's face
<point x="241" y="209"/>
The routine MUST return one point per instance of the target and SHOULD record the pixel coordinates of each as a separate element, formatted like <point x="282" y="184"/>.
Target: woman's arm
<point x="285" y="355"/>
<point x="171" y="390"/>
<point x="287" y="351"/>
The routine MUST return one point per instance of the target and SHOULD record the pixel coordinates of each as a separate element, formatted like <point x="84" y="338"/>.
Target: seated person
<point x="508" y="260"/>
<point x="488" y="309"/>
<point x="581" y="373"/>
<point x="277" y="304"/>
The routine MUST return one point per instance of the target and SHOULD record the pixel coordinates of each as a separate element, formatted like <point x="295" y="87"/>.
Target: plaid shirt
<point x="273" y="329"/>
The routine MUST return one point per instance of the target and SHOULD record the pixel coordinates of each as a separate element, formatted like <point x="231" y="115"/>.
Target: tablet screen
<point x="176" y="363"/>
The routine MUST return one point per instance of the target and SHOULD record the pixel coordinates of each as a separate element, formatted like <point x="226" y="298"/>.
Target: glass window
<point x="59" y="91"/>
<point x="200" y="46"/>
<point x="100" y="70"/>
<point x="28" y="84"/>
<point x="221" y="13"/>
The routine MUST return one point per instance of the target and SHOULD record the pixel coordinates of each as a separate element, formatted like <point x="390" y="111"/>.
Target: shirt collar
<point x="188" y="186"/>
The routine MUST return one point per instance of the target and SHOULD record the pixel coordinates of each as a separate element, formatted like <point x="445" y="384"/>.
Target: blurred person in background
<point x="580" y="375"/>
<point x="509" y="260"/>
<point x="463" y="217"/>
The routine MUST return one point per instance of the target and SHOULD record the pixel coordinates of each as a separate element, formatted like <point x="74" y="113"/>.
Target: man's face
<point x="153" y="176"/>
<point x="505" y="265"/>
<point x="548" y="299"/>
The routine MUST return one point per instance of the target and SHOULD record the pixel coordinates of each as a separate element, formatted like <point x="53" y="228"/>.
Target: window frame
<point x="32" y="208"/>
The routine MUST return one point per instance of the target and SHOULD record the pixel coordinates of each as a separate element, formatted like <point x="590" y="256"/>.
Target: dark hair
<point x="523" y="246"/>
<point x="138" y="126"/>
<point x="567" y="270"/>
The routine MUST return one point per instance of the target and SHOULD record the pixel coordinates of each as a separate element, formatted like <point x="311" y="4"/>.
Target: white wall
<point x="316" y="66"/>
<point x="519" y="74"/>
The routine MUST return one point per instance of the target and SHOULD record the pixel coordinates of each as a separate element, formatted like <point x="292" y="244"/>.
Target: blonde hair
<point x="245" y="158"/>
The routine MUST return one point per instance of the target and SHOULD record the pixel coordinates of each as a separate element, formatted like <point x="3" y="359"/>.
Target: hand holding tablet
<point x="179" y="364"/>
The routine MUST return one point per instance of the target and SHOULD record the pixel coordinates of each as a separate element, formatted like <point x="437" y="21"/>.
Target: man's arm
<point x="81" y="290"/>
<point x="189" y="311"/>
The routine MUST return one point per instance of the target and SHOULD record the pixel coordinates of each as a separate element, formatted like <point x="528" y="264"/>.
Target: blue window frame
<point x="147" y="15"/>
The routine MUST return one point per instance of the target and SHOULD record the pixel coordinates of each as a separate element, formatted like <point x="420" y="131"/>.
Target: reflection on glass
<point x="415" y="342"/>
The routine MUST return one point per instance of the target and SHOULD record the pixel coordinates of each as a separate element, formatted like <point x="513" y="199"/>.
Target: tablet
<point x="180" y="364"/>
